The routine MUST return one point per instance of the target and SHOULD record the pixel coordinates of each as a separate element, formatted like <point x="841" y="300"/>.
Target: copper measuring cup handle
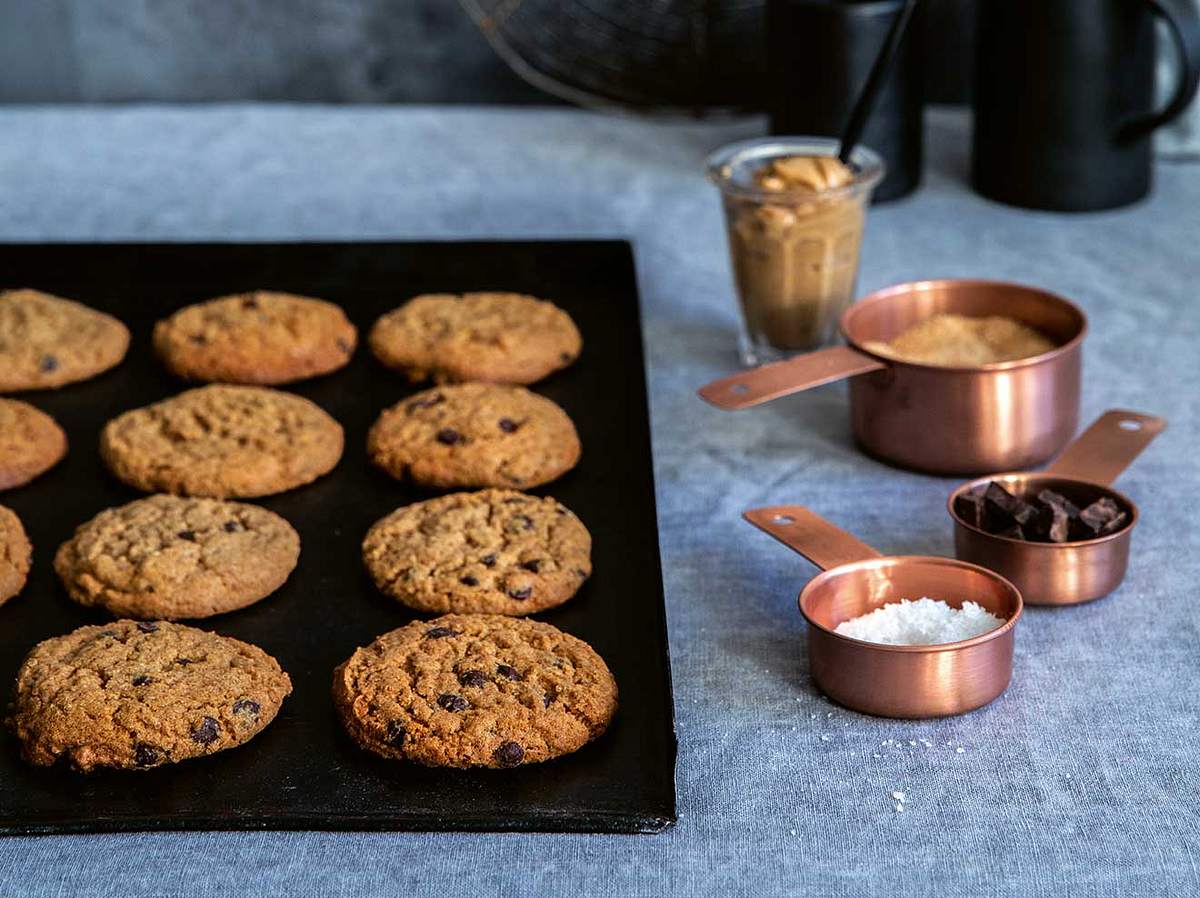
<point x="1108" y="447"/>
<point x="778" y="379"/>
<point x="811" y="535"/>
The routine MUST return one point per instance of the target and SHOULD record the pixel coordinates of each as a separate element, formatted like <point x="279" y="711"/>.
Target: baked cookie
<point x="168" y="557"/>
<point x="475" y="690"/>
<point x="494" y="337"/>
<point x="31" y="443"/>
<point x="223" y="441"/>
<point x="47" y="342"/>
<point x="495" y="551"/>
<point x="256" y="338"/>
<point x="137" y="694"/>
<point x="475" y="435"/>
<point x="15" y="554"/>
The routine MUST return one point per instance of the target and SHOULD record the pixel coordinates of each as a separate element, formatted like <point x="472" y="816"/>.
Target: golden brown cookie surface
<point x="15" y="554"/>
<point x="47" y="341"/>
<point x="492" y="337"/>
<point x="475" y="435"/>
<point x="223" y="441"/>
<point x="475" y="690"/>
<point x="31" y="442"/>
<point x="170" y="557"/>
<point x="262" y="337"/>
<point x="138" y="694"/>
<point x="494" y="551"/>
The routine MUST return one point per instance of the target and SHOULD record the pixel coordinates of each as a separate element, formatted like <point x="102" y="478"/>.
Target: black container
<point x="820" y="54"/>
<point x="1064" y="95"/>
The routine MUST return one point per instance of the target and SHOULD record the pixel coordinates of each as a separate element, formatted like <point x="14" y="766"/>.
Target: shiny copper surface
<point x="1074" y="572"/>
<point x="911" y="681"/>
<point x="942" y="420"/>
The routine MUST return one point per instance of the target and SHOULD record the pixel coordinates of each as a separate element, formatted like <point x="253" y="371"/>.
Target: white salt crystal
<point x="923" y="622"/>
<point x="824" y="738"/>
<point x="959" y="750"/>
<point x="899" y="807"/>
<point x="898" y="795"/>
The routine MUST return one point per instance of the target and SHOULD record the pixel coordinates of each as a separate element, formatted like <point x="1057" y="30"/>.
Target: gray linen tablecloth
<point x="1080" y="780"/>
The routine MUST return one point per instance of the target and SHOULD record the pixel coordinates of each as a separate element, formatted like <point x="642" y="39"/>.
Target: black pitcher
<point x="1064" y="96"/>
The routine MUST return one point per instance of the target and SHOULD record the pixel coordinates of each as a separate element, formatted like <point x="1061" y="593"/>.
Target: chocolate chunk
<point x="508" y="672"/>
<point x="231" y="526"/>
<point x="548" y="699"/>
<point x="142" y="680"/>
<point x="469" y="580"/>
<point x="452" y="702"/>
<point x="189" y="535"/>
<point x="472" y="678"/>
<point x="532" y="565"/>
<point x="439" y="632"/>
<point x="183" y="662"/>
<point x="249" y="303"/>
<point x="1103" y="516"/>
<point x="48" y="363"/>
<point x="521" y="521"/>
<point x="581" y="573"/>
<point x="247" y="707"/>
<point x="448" y="436"/>
<point x="198" y="339"/>
<point x="428" y="402"/>
<point x="147" y="626"/>
<point x="343" y="345"/>
<point x="488" y="560"/>
<point x="969" y="507"/>
<point x="145" y="755"/>
<point x="1013" y="532"/>
<point x="521" y="594"/>
<point x="1003" y="511"/>
<point x="396" y="733"/>
<point x="565" y="356"/>
<point x="1054" y="518"/>
<point x="508" y="425"/>
<point x="207" y="732"/>
<point x="508" y="754"/>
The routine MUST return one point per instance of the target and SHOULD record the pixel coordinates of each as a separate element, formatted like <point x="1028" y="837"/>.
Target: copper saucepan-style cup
<point x="998" y="417"/>
<point x="1071" y="572"/>
<point x="907" y="681"/>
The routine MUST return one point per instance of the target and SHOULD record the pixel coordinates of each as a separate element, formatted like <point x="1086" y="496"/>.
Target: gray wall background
<point x="371" y="51"/>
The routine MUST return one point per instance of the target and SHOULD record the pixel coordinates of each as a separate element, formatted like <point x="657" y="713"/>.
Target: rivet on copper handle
<point x="1108" y="447"/>
<point x="778" y="379"/>
<point x="811" y="535"/>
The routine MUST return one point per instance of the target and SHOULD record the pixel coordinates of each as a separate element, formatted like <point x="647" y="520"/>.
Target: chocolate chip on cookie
<point x="47" y="341"/>
<point x="447" y="703"/>
<point x="256" y="338"/>
<point x="448" y="437"/>
<point x="31" y="442"/>
<point x="492" y="337"/>
<point x="169" y="557"/>
<point x="117" y="696"/>
<point x="223" y="441"/>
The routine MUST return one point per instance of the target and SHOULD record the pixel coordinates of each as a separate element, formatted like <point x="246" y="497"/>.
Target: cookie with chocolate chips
<point x="223" y="441"/>
<point x="475" y="435"/>
<point x="47" y="341"/>
<point x="263" y="337"/>
<point x="169" y="557"/>
<point x="139" y="694"/>
<point x="475" y="690"/>
<point x="15" y="554"/>
<point x="31" y="443"/>
<point x="493" y="337"/>
<point x="494" y="551"/>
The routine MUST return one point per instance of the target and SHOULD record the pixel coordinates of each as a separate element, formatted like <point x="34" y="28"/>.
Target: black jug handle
<point x="1183" y="23"/>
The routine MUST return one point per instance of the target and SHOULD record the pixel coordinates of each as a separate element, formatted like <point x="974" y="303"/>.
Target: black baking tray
<point x="302" y="772"/>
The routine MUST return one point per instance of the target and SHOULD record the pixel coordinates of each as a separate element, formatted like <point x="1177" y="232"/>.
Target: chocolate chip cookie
<point x="495" y="337"/>
<point x="138" y="694"/>
<point x="467" y="435"/>
<point x="169" y="557"/>
<point x="46" y="341"/>
<point x="256" y="338"/>
<point x="15" y="554"/>
<point x="31" y="443"/>
<point x="223" y="441"/>
<point x="495" y="551"/>
<point x="475" y="690"/>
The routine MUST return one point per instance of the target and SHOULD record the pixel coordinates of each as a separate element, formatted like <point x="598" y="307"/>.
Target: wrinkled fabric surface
<point x="1080" y="780"/>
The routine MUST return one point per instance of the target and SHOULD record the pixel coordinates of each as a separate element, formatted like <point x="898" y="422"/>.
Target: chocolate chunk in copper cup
<point x="1075" y="571"/>
<point x="906" y="681"/>
<point x="939" y="419"/>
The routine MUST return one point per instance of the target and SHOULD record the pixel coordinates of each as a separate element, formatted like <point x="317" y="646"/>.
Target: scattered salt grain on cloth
<point x="923" y="622"/>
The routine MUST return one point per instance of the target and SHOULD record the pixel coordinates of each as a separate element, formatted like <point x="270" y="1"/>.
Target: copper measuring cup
<point x="908" y="681"/>
<point x="1072" y="572"/>
<point x="999" y="417"/>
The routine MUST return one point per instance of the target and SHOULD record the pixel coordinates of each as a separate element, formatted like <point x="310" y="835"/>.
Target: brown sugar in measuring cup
<point x="1001" y="416"/>
<point x="907" y="681"/>
<point x="1065" y="573"/>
